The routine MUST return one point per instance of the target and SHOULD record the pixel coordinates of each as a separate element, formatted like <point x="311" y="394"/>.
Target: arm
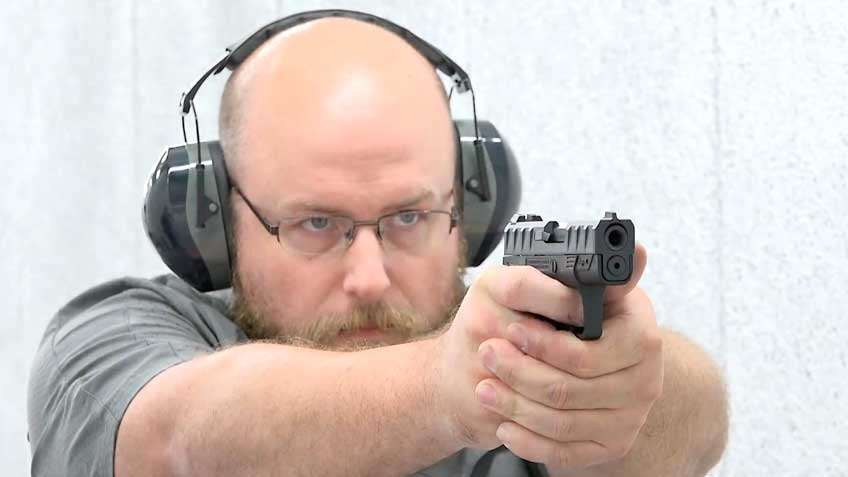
<point x="267" y="409"/>
<point x="686" y="431"/>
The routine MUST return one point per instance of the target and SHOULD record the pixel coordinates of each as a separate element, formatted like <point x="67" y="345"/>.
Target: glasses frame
<point x="349" y="235"/>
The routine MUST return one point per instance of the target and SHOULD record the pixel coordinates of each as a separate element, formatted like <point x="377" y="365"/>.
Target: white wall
<point x="719" y="127"/>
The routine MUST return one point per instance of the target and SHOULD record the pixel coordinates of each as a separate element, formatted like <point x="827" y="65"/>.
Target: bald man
<point x="360" y="357"/>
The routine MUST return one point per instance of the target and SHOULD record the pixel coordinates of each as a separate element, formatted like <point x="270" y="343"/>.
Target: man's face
<point x="359" y="151"/>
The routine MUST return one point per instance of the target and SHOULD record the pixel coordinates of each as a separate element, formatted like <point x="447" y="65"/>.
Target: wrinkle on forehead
<point x="359" y="197"/>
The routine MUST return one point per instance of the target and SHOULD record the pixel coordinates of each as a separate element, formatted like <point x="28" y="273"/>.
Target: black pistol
<point x="587" y="256"/>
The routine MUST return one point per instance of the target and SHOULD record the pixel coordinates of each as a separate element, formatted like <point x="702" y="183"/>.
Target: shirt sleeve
<point x="95" y="356"/>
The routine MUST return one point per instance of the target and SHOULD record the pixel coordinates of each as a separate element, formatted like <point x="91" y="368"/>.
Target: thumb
<point x="640" y="260"/>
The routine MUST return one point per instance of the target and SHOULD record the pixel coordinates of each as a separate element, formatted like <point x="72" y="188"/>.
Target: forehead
<point x="349" y="163"/>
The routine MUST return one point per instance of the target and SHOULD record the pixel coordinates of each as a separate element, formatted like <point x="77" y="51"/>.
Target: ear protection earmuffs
<point x="186" y="205"/>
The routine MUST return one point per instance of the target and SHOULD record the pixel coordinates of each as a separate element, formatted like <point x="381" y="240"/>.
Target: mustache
<point x="322" y="332"/>
<point x="375" y="315"/>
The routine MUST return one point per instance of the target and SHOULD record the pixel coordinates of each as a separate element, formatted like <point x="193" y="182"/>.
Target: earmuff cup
<point x="192" y="238"/>
<point x="483" y="221"/>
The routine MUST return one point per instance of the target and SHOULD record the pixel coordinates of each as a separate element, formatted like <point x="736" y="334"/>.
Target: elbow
<point x="137" y="456"/>
<point x="149" y="437"/>
<point x="712" y="418"/>
<point x="701" y="406"/>
<point x="718" y="432"/>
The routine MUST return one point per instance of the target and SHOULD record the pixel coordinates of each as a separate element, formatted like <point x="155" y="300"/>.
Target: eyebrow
<point x="312" y="206"/>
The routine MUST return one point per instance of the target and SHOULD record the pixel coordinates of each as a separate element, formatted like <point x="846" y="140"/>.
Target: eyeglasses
<point x="413" y="231"/>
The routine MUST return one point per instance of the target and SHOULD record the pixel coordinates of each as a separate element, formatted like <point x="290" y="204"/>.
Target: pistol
<point x="584" y="255"/>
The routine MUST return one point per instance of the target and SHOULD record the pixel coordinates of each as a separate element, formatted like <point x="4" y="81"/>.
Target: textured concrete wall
<point x="718" y="126"/>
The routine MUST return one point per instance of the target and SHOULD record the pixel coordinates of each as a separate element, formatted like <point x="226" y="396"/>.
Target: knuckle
<point x="487" y="277"/>
<point x="651" y="341"/>
<point x="508" y="406"/>
<point x="487" y="283"/>
<point x="557" y="394"/>
<point x="507" y="372"/>
<point x="620" y="446"/>
<point x="647" y="343"/>
<point x="580" y="361"/>
<point x="512" y="289"/>
<point x="479" y="330"/>
<point x="482" y="322"/>
<point x="464" y="433"/>
<point x="563" y="428"/>
<point x="618" y="449"/>
<point x="537" y="343"/>
<point x="562" y="458"/>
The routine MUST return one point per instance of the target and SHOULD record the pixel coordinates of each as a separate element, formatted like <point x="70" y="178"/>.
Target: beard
<point x="323" y="331"/>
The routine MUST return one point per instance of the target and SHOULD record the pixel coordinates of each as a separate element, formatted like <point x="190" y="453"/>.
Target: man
<point x="333" y="118"/>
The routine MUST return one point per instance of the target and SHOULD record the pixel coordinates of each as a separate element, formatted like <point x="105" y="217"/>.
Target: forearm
<point x="272" y="410"/>
<point x="686" y="431"/>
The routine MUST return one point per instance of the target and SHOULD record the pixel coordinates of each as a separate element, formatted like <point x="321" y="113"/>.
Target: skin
<point x="367" y="133"/>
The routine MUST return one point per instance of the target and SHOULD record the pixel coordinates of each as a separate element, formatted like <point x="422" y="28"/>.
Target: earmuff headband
<point x="238" y="52"/>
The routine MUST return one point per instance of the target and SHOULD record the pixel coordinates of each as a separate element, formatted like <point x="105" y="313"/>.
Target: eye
<point x="316" y="224"/>
<point x="407" y="218"/>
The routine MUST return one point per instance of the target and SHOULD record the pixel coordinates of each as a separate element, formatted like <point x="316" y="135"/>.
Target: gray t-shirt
<point x="106" y="344"/>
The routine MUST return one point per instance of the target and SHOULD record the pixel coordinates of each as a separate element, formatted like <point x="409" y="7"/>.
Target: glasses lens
<point x="314" y="234"/>
<point x="414" y="230"/>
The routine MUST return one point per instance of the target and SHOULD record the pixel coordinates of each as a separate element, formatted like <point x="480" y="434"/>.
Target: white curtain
<point x="718" y="127"/>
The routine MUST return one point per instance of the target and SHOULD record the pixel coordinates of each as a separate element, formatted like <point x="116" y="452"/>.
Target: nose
<point x="365" y="272"/>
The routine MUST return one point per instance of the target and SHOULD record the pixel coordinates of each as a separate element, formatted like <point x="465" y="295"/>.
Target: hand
<point x="499" y="297"/>
<point x="569" y="403"/>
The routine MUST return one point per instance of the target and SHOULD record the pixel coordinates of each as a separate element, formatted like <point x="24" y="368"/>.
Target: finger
<point x="532" y="323"/>
<point x="557" y="424"/>
<point x="628" y="339"/>
<point x="640" y="261"/>
<point x="526" y="289"/>
<point x="556" y="455"/>
<point x="556" y="389"/>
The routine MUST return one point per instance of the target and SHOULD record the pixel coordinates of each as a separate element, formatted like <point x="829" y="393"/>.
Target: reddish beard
<point x="323" y="332"/>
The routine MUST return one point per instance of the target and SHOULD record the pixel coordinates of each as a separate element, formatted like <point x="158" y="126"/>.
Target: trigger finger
<point x="526" y="289"/>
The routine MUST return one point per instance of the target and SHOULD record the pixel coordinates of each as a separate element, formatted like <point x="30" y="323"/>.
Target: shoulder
<point x="99" y="350"/>
<point x="137" y="305"/>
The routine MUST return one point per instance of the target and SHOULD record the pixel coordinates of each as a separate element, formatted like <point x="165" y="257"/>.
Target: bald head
<point x="328" y="73"/>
